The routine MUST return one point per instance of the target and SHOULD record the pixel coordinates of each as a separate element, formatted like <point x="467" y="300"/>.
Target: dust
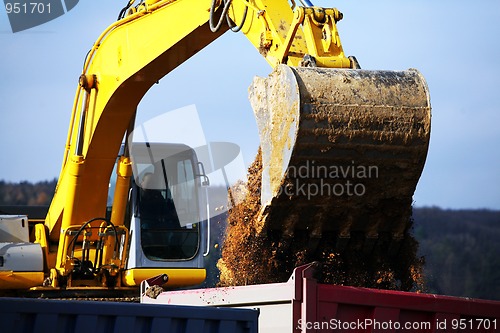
<point x="253" y="253"/>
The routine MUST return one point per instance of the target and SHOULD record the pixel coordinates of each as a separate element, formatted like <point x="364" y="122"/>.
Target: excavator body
<point x="343" y="148"/>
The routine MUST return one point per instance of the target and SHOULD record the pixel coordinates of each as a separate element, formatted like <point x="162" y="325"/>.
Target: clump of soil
<point x="252" y="254"/>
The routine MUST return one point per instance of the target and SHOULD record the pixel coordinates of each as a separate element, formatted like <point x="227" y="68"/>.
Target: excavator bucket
<point x="342" y="150"/>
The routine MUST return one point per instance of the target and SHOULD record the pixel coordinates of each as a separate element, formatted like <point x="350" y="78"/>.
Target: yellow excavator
<point x="321" y="119"/>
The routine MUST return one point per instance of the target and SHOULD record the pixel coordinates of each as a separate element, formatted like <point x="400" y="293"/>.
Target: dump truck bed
<point x="60" y="316"/>
<point x="303" y="305"/>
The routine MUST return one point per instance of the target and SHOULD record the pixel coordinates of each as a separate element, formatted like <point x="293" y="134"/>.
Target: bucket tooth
<point x="342" y="242"/>
<point x="369" y="244"/>
<point x="394" y="246"/>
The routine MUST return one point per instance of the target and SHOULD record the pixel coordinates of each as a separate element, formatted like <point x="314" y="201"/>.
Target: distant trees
<point x="461" y="250"/>
<point x="26" y="193"/>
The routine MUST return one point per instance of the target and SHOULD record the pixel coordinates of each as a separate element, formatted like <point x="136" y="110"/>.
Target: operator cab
<point x="167" y="214"/>
<point x="167" y="202"/>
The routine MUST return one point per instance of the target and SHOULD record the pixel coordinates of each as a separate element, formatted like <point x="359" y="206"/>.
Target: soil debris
<point x="255" y="254"/>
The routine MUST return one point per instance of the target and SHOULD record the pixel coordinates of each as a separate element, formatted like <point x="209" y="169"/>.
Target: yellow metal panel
<point x="177" y="277"/>
<point x="20" y="280"/>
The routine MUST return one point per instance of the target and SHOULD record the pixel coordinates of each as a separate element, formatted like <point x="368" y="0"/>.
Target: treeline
<point x="26" y="193"/>
<point x="461" y="250"/>
<point x="461" y="247"/>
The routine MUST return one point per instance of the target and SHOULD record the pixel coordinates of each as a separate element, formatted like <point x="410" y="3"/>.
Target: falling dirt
<point x="253" y="257"/>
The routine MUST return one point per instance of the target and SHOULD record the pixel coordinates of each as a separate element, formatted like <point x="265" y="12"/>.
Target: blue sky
<point x="453" y="43"/>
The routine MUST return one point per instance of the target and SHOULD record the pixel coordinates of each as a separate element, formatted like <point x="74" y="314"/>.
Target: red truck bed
<point x="303" y="305"/>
